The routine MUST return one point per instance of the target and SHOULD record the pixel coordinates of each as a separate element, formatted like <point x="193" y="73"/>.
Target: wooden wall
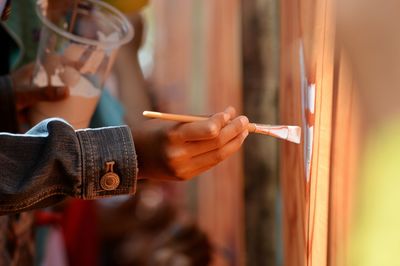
<point x="316" y="207"/>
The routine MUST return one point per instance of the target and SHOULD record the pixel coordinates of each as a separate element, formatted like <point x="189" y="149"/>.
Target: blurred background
<point x="294" y="62"/>
<point x="198" y="57"/>
<point x="189" y="57"/>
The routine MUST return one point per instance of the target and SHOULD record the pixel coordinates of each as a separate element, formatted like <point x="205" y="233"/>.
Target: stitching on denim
<point x="58" y="190"/>
<point x="123" y="188"/>
<point x="91" y="177"/>
<point x="83" y="183"/>
<point x="130" y="147"/>
<point x="12" y="202"/>
<point x="107" y="194"/>
<point x="133" y="159"/>
<point x="127" y="163"/>
<point x="11" y="208"/>
<point x="95" y="189"/>
<point x="86" y="161"/>
<point x="88" y="164"/>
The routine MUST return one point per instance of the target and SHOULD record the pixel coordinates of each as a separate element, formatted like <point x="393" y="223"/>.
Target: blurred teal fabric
<point x="24" y="28"/>
<point x="109" y="112"/>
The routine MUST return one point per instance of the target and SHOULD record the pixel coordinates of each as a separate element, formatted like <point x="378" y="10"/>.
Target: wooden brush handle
<point x="174" y="117"/>
<point x="185" y="118"/>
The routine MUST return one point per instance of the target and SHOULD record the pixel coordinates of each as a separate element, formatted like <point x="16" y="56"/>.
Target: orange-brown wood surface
<point x="316" y="210"/>
<point x="344" y="158"/>
<point x="292" y="168"/>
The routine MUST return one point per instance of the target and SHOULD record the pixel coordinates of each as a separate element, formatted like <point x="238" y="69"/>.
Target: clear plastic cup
<point x="78" y="46"/>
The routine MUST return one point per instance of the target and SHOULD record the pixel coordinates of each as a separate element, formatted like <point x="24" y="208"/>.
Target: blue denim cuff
<point x="101" y="148"/>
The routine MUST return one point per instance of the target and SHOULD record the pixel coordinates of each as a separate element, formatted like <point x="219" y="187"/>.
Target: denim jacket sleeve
<point x="52" y="161"/>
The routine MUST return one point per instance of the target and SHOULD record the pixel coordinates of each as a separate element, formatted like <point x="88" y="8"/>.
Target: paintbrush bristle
<point x="294" y="134"/>
<point x="289" y="133"/>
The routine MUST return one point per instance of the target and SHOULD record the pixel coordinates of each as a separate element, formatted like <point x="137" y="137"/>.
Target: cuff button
<point x="110" y="180"/>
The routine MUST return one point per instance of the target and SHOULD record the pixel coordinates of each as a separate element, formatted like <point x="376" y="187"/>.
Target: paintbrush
<point x="289" y="133"/>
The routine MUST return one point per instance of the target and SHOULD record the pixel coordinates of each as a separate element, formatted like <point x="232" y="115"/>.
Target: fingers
<point x="53" y="93"/>
<point x="193" y="148"/>
<point x="202" y="130"/>
<point x="176" y="154"/>
<point x="30" y="97"/>
<point x="229" y="132"/>
<point x="214" y="157"/>
<point x="231" y="111"/>
<point x="207" y="160"/>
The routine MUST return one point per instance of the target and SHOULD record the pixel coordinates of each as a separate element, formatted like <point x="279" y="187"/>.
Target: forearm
<point x="52" y="162"/>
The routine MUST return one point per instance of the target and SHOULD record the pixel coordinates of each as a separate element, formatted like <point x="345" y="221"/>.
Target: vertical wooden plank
<point x="345" y="146"/>
<point x="306" y="207"/>
<point x="221" y="190"/>
<point x="320" y="175"/>
<point x="292" y="170"/>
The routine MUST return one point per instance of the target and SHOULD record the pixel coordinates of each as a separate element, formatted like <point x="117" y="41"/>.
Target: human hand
<point x="26" y="95"/>
<point x="180" y="151"/>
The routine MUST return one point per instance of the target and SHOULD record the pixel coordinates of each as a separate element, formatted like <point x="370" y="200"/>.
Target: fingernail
<point x="228" y="109"/>
<point x="244" y="120"/>
<point x="226" y="117"/>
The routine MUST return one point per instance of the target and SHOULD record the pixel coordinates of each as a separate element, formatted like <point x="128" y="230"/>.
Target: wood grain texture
<point x="321" y="163"/>
<point x="293" y="180"/>
<point x="344" y="161"/>
<point x="316" y="213"/>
